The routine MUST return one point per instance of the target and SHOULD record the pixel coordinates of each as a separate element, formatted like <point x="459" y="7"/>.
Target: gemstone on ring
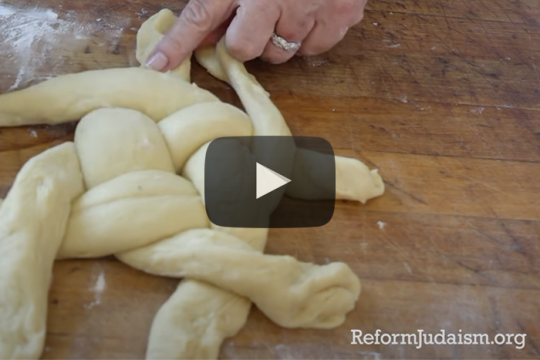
<point x="283" y="44"/>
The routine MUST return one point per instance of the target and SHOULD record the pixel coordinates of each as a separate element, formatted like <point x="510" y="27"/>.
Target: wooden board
<point x="442" y="97"/>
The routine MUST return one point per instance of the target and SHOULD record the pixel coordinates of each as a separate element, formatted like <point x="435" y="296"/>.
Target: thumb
<point x="198" y="19"/>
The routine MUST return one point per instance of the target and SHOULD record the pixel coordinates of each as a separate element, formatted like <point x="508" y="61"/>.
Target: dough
<point x="132" y="210"/>
<point x="204" y="122"/>
<point x="256" y="100"/>
<point x="193" y="322"/>
<point x="138" y="209"/>
<point x="32" y="223"/>
<point x="70" y="97"/>
<point x="267" y="119"/>
<point x="151" y="33"/>
<point x="112" y="142"/>
<point x="291" y="293"/>
<point x="354" y="180"/>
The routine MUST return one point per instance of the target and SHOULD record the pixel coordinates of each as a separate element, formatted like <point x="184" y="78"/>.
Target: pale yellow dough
<point x="32" y="224"/>
<point x="151" y="33"/>
<point x="205" y="122"/>
<point x="70" y="97"/>
<point x="141" y="128"/>
<point x="184" y="329"/>
<point x="132" y="210"/>
<point x="291" y="293"/>
<point x="112" y="142"/>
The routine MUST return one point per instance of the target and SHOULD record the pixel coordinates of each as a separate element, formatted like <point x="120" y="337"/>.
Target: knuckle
<point x="197" y="14"/>
<point x="359" y="16"/>
<point x="347" y="7"/>
<point x="289" y="35"/>
<point x="275" y="57"/>
<point x="353" y="10"/>
<point x="243" y="50"/>
<point x="313" y="49"/>
<point x="309" y="51"/>
<point x="264" y="6"/>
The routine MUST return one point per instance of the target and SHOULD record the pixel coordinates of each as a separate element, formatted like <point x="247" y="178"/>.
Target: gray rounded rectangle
<point x="270" y="182"/>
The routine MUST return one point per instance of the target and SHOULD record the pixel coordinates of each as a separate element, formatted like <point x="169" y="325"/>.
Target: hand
<point x="249" y="24"/>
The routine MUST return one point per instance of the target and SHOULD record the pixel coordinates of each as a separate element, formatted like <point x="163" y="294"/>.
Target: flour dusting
<point x="35" y="41"/>
<point x="98" y="289"/>
<point x="316" y="60"/>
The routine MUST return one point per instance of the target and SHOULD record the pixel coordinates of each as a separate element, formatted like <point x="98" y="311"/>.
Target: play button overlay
<point x="269" y="182"/>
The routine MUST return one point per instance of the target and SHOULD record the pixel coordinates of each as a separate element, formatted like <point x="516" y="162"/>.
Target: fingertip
<point x="158" y="61"/>
<point x="168" y="54"/>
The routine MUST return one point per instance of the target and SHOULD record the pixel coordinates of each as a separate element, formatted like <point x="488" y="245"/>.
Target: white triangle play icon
<point x="268" y="180"/>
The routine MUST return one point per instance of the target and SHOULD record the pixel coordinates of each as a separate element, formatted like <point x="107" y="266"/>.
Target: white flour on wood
<point x="97" y="289"/>
<point x="36" y="42"/>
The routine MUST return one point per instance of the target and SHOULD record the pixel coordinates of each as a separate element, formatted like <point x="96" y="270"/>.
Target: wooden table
<point x="442" y="97"/>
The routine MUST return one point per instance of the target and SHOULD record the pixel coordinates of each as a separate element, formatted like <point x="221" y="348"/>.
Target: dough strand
<point x="33" y="219"/>
<point x="70" y="97"/>
<point x="291" y="293"/>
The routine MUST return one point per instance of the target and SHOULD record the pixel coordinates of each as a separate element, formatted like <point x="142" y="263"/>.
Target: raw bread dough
<point x="185" y="329"/>
<point x="132" y="210"/>
<point x="154" y="220"/>
<point x="291" y="293"/>
<point x="354" y="180"/>
<point x="151" y="33"/>
<point x="267" y="121"/>
<point x="32" y="223"/>
<point x="112" y="142"/>
<point x="70" y="97"/>
<point x="204" y="122"/>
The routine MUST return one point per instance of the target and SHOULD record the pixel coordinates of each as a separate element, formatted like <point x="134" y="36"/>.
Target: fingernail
<point x="158" y="62"/>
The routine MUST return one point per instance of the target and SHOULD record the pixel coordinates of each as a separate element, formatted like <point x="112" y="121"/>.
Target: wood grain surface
<point x="441" y="96"/>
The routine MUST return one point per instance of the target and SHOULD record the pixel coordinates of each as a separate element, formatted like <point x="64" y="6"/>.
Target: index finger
<point x="198" y="19"/>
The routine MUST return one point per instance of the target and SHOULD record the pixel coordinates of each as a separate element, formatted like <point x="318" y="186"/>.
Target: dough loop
<point x="115" y="190"/>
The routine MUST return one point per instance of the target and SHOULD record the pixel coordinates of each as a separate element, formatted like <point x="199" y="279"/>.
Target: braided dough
<point x="139" y="129"/>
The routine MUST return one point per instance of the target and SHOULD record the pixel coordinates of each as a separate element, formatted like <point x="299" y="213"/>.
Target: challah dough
<point x="70" y="97"/>
<point x="128" y="141"/>
<point x="32" y="224"/>
<point x="151" y="33"/>
<point x="204" y="122"/>
<point x="140" y="128"/>
<point x="291" y="293"/>
<point x="131" y="210"/>
<point x="193" y="322"/>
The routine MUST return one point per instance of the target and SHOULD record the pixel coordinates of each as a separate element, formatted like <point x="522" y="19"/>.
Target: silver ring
<point x="283" y="44"/>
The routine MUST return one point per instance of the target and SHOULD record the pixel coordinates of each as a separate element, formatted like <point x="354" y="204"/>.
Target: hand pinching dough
<point x="151" y="33"/>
